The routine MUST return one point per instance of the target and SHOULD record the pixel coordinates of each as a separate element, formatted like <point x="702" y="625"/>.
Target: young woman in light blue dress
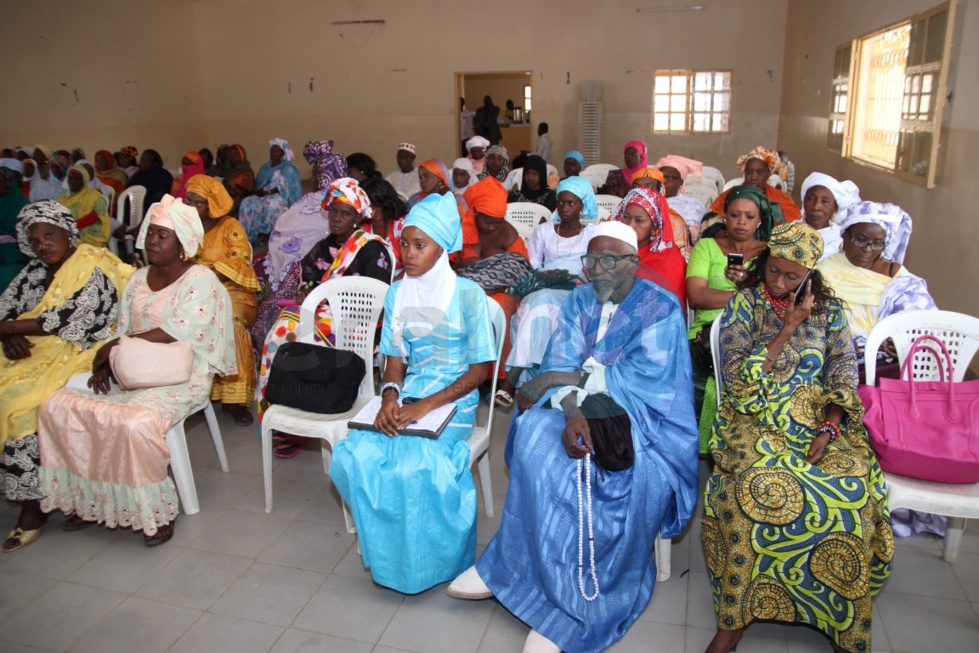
<point x="413" y="499"/>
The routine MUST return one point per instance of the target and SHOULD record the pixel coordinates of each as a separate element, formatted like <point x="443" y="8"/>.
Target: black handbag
<point x="611" y="432"/>
<point x="700" y="353"/>
<point x="315" y="378"/>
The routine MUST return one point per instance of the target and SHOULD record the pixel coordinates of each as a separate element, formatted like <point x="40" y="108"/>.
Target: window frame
<point x="689" y="111"/>
<point x="907" y="126"/>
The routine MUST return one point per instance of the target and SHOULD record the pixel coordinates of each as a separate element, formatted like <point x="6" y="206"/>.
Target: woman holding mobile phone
<point x="716" y="266"/>
<point x="796" y="527"/>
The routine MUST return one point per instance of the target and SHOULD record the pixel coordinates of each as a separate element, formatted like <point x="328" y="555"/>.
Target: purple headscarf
<point x="328" y="165"/>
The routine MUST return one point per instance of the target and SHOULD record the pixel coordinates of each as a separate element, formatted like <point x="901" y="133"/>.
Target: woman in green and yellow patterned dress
<point x="796" y="527"/>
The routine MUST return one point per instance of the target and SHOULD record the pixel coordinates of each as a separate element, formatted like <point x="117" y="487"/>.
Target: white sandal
<point x="469" y="586"/>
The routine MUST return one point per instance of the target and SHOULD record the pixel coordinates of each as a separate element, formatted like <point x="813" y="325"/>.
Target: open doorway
<point x="514" y="87"/>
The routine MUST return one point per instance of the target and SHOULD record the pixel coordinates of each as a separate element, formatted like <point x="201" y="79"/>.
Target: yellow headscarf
<point x="796" y="242"/>
<point x="219" y="203"/>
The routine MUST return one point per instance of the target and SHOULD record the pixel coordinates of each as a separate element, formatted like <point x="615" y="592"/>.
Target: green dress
<point x="786" y="540"/>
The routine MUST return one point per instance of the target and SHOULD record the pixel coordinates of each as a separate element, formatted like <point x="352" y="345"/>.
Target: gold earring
<point x="183" y="256"/>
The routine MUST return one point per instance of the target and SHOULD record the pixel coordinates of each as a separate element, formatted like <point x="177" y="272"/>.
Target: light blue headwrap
<point x="438" y="216"/>
<point x="577" y="156"/>
<point x="580" y="188"/>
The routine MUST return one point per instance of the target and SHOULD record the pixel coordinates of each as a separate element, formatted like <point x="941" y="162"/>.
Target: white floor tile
<point x="123" y="566"/>
<point x="432" y="622"/>
<point x="309" y="545"/>
<point x="194" y="579"/>
<point x="18" y="590"/>
<point x="916" y="623"/>
<point x="137" y="625"/>
<point x="241" y="533"/>
<point x="215" y="633"/>
<point x="73" y="608"/>
<point x="669" y="602"/>
<point x="352" y="608"/>
<point x="646" y="636"/>
<point x="503" y="633"/>
<point x="269" y="594"/>
<point x="922" y="572"/>
<point x="298" y="641"/>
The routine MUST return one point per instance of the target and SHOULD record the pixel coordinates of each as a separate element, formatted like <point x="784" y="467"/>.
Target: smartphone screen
<point x="735" y="259"/>
<point x="800" y="292"/>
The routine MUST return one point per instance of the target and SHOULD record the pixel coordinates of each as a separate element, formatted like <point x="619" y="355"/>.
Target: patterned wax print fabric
<point x="227" y="252"/>
<point x="786" y="540"/>
<point x="77" y="312"/>
<point x="259" y="214"/>
<point x="129" y="486"/>
<point x="413" y="499"/>
<point x="531" y="562"/>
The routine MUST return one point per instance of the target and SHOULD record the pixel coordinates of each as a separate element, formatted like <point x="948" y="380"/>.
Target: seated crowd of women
<point x="71" y="307"/>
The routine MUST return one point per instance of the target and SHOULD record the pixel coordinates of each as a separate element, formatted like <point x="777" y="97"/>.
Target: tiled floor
<point x="239" y="580"/>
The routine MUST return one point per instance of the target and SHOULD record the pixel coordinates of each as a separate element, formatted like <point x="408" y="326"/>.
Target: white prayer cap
<point x="12" y="164"/>
<point x="619" y="231"/>
<point x="407" y="147"/>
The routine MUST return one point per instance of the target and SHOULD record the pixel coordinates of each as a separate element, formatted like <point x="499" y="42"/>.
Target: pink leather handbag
<point x="925" y="429"/>
<point x="138" y="363"/>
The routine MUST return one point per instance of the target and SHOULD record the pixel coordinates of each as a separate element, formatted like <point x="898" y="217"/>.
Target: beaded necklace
<point x="586" y="463"/>
<point x="778" y="305"/>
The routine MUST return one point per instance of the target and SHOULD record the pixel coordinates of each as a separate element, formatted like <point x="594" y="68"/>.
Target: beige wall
<point x="102" y="74"/>
<point x="942" y="248"/>
<point x="211" y="71"/>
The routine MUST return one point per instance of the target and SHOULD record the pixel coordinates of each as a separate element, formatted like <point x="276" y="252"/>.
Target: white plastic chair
<point x="135" y="195"/>
<point x="513" y="180"/>
<point x="479" y="440"/>
<point x="524" y="230"/>
<point x="597" y="173"/>
<point x="355" y="304"/>
<point x="715" y="354"/>
<point x="961" y="336"/>
<point x="714" y="176"/>
<point x="703" y="193"/>
<point x="608" y="202"/>
<point x="528" y="213"/>
<point x="176" y="438"/>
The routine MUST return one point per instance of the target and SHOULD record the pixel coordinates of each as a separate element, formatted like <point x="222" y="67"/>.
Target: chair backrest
<point x="135" y="195"/>
<point x="552" y="170"/>
<point x="529" y="213"/>
<point x="715" y="176"/>
<point x="958" y="331"/>
<point x="705" y="194"/>
<point x="513" y="180"/>
<point x="524" y="230"/>
<point x="498" y="317"/>
<point x="608" y="202"/>
<point x="715" y="355"/>
<point x="110" y="197"/>
<point x="356" y="304"/>
<point x="777" y="182"/>
<point x="597" y="173"/>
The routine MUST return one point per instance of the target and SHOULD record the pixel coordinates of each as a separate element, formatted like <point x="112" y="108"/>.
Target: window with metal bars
<point x="888" y="94"/>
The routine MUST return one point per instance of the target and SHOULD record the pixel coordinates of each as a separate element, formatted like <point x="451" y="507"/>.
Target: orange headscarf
<point x="438" y="169"/>
<point x="487" y="197"/>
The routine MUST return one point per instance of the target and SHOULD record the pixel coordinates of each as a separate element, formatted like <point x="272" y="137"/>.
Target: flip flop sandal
<point x="288" y="448"/>
<point x="503" y="399"/>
